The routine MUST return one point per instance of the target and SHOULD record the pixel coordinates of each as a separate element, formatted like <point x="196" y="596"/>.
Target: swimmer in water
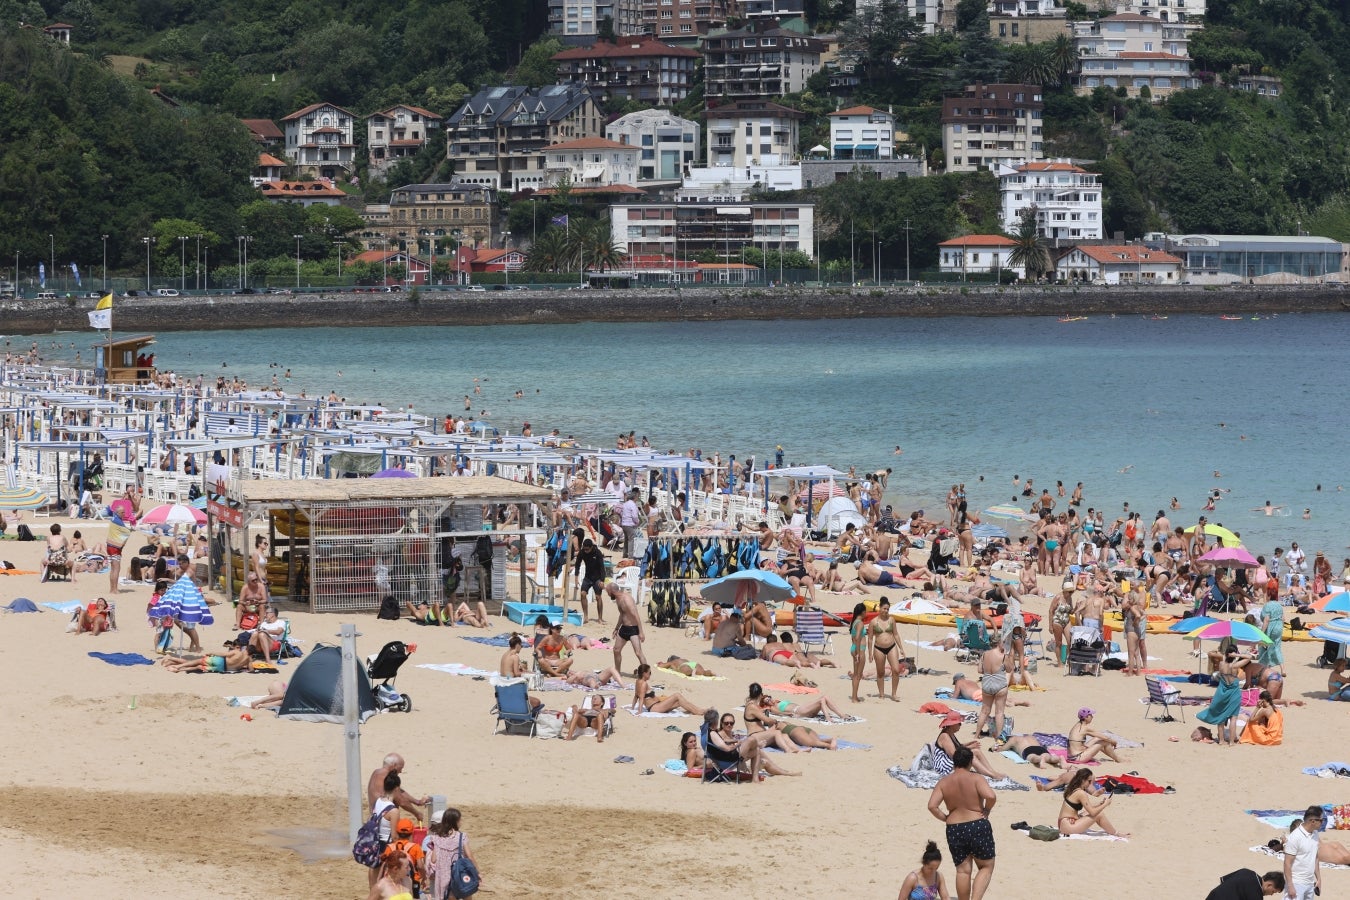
<point x="1125" y="469"/>
<point x="1307" y="513"/>
<point x="1218" y="474"/>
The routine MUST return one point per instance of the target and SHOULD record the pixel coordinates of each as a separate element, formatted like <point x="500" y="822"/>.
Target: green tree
<point x="873" y="39"/>
<point x="1030" y="253"/>
<point x="537" y="67"/>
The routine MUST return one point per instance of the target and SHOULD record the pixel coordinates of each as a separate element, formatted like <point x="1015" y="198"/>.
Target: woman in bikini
<point x="645" y="698"/>
<point x="675" y="663"/>
<point x="925" y="882"/>
<point x="723" y="737"/>
<point x="798" y="735"/>
<point x="1081" y="811"/>
<point x="691" y="754"/>
<point x="820" y="706"/>
<point x="884" y="642"/>
<point x="1061" y="615"/>
<point x="1085" y="743"/>
<point x="595" y="680"/>
<point x="857" y="647"/>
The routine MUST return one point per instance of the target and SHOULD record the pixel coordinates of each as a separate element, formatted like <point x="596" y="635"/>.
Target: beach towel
<point x="790" y="689"/>
<point x="1140" y="785"/>
<point x="1094" y="836"/>
<point x="1168" y="672"/>
<point x="675" y="767"/>
<point x="1329" y="770"/>
<point x="1278" y="855"/>
<point x="1051" y="741"/>
<point x="693" y="677"/>
<point x="64" y="606"/>
<point x="822" y="720"/>
<point x="645" y="714"/>
<point x="497" y="640"/>
<point x="935" y="708"/>
<point x="243" y="701"/>
<point x="930" y="645"/>
<point x="840" y="744"/>
<point x="456" y="669"/>
<point x="946" y="695"/>
<point x="921" y="775"/>
<point x="122" y="659"/>
<point x="1277" y="818"/>
<point x="1123" y="742"/>
<point x="21" y="605"/>
<point x="17" y="572"/>
<point x="1014" y="756"/>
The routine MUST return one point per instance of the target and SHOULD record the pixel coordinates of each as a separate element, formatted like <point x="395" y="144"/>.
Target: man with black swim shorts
<point x="968" y="799"/>
<point x="629" y="628"/>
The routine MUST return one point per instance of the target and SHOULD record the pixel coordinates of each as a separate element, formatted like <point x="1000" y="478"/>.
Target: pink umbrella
<point x="173" y="514"/>
<point x="124" y="510"/>
<point x="822" y="490"/>
<point x="1230" y="557"/>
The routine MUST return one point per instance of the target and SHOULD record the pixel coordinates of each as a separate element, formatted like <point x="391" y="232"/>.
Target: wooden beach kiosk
<point x="342" y="544"/>
<point x="124" y="361"/>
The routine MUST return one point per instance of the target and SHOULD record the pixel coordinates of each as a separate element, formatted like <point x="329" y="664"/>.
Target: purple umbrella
<point x="404" y="473"/>
<point x="1230" y="557"/>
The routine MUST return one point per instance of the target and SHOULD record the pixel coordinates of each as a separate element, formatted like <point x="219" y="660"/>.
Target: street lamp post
<point x="337" y="248"/>
<point x="852" y="257"/>
<point x="239" y="258"/>
<point x="297" y="261"/>
<point x="182" y="262"/>
<point x="105" y="264"/>
<point x="907" y="251"/>
<point x="148" y="242"/>
<point x="506" y="259"/>
<point x="51" y="272"/>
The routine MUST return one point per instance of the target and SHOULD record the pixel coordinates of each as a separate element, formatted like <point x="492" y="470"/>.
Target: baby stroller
<point x="1086" y="651"/>
<point x="383" y="667"/>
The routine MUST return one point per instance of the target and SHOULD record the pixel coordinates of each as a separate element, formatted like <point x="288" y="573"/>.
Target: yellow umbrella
<point x="1223" y="534"/>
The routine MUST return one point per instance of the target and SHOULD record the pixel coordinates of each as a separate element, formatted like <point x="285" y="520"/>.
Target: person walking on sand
<point x="969" y="800"/>
<point x="994" y="667"/>
<point x="1302" y="875"/>
<point x="629" y="627"/>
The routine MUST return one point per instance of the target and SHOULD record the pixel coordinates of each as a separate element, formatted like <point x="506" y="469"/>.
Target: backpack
<point x="25" y="533"/>
<point x="369" y="849"/>
<point x="389" y="608"/>
<point x="482" y="551"/>
<point x="1044" y="833"/>
<point x="463" y="875"/>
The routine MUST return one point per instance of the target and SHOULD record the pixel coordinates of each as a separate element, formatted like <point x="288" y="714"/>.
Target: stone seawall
<point x="158" y="314"/>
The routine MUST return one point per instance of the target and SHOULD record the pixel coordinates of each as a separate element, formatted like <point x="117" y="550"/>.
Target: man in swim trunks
<point x="1026" y="746"/>
<point x="629" y="628"/>
<point x="1092" y="606"/>
<point x="871" y="573"/>
<point x="964" y="688"/>
<point x="969" y="800"/>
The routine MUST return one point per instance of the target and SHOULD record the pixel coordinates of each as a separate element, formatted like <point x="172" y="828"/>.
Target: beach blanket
<point x="1167" y="672"/>
<point x="1329" y="770"/>
<point x="1014" y="756"/>
<point x="1277" y="818"/>
<point x="1094" y="836"/>
<point x="644" y="714"/>
<point x="930" y="645"/>
<point x="21" y="605"/>
<point x="945" y="694"/>
<point x="920" y="774"/>
<point x="1278" y="855"/>
<point x="1140" y="785"/>
<point x="1051" y="741"/>
<point x="822" y="720"/>
<point x="497" y="640"/>
<point x="17" y="572"/>
<point x="841" y="744"/>
<point x="456" y="669"/>
<point x="675" y="767"/>
<point x="243" y="701"/>
<point x="790" y="689"/>
<point x="64" y="606"/>
<point x="1123" y="742"/>
<point x="122" y="659"/>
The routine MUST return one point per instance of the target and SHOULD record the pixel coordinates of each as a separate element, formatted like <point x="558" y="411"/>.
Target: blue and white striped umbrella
<point x="986" y="531"/>
<point x="184" y="602"/>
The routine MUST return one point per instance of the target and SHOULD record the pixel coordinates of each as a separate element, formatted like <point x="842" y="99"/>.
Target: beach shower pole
<point x="351" y="729"/>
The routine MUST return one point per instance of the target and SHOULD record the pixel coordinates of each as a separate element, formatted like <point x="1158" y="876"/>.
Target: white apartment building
<point x="667" y="145"/>
<point x="1165" y="10"/>
<point x="752" y="132"/>
<point x="1133" y="51"/>
<point x="861" y="132"/>
<point x="591" y="162"/>
<point x="735" y="183"/>
<point x="578" y="17"/>
<point x="321" y="140"/>
<point x="1067" y="199"/>
<point x="984" y="254"/>
<point x="1123" y="264"/>
<point x="684" y="230"/>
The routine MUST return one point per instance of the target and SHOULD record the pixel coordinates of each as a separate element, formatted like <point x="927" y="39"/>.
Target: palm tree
<point x="593" y="246"/>
<point x="1063" y="57"/>
<point x="1030" y="253"/>
<point x="1032" y="64"/>
<point x="549" y="252"/>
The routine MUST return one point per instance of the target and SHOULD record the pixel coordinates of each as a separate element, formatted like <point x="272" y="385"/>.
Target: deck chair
<point x="540" y="592"/>
<point x="59" y="571"/>
<point x="1086" y="651"/>
<point x="1163" y="692"/>
<point x="630" y="579"/>
<point x="718" y="764"/>
<point x="810" y="627"/>
<point x="513" y="709"/>
<point x="972" y="637"/>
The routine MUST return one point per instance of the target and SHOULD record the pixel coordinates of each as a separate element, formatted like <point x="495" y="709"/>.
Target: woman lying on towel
<point x="676" y="663"/>
<point x="235" y="659"/>
<point x="1080" y="810"/>
<point x="1266" y="726"/>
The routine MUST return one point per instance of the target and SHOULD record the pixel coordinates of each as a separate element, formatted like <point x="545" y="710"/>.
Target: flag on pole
<point x="42" y="275"/>
<point x="560" y="220"/>
<point x="75" y="270"/>
<point x="101" y="315"/>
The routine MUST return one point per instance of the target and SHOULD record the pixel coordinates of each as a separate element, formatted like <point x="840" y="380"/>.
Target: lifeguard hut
<point x="125" y="361"/>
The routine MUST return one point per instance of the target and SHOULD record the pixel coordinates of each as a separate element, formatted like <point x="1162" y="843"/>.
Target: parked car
<point x="135" y="294"/>
<point x="165" y="292"/>
<point x="477" y="287"/>
<point x="247" y="291"/>
<point x="46" y="295"/>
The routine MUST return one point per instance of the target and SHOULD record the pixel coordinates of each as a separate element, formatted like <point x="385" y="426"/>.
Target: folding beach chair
<point x="1086" y="651"/>
<point x="718" y="764"/>
<point x="513" y="709"/>
<point x="810" y="627"/>
<point x="972" y="637"/>
<point x="1163" y="692"/>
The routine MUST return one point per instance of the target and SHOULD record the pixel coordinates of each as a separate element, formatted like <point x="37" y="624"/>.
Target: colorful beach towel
<point x="1094" y="836"/>
<point x="790" y="689"/>
<point x="456" y="669"/>
<point x="841" y="744"/>
<point x="646" y="714"/>
<point x="244" y="701"/>
<point x="497" y="640"/>
<point x="926" y="779"/>
<point x="122" y="659"/>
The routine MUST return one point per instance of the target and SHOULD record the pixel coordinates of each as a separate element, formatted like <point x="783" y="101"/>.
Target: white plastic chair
<point x="630" y="579"/>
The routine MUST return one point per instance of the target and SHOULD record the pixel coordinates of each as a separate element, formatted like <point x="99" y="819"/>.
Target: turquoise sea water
<point x="964" y="398"/>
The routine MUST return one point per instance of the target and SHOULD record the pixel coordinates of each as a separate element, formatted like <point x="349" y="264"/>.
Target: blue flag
<point x="42" y="275"/>
<point x="75" y="270"/>
<point x="560" y="220"/>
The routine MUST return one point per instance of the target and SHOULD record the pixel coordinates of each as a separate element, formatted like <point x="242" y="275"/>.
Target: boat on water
<point x="1157" y="318"/>
<point x="1231" y="318"/>
<point x="1073" y="318"/>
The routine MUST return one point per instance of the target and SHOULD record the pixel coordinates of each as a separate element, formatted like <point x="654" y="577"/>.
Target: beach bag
<point x="389" y="609"/>
<point x="482" y="552"/>
<point x="25" y="533"/>
<point x="744" y="652"/>
<point x="549" y="724"/>
<point x="1043" y="833"/>
<point x="249" y="621"/>
<point x="369" y="849"/>
<point x="463" y="875"/>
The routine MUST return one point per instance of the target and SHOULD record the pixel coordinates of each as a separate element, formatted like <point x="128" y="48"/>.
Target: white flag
<point x="100" y="318"/>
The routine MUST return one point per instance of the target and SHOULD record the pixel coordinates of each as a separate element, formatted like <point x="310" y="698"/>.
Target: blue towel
<point x="122" y="659"/>
<point x="21" y="605"/>
<point x="1313" y="770"/>
<point x="497" y="640"/>
<point x="65" y="606"/>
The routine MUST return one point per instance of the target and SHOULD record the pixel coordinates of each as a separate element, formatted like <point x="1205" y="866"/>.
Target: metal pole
<point x="148" y="241"/>
<point x="182" y="262"/>
<point x="907" y="250"/>
<point x="197" y="265"/>
<point x="297" y="261"/>
<point x="105" y="267"/>
<point x="852" y="257"/>
<point x="351" y="729"/>
<point x="239" y="258"/>
<point x="506" y="260"/>
<point x="52" y="271"/>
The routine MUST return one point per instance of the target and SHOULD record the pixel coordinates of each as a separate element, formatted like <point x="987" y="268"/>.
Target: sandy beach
<point x="135" y="782"/>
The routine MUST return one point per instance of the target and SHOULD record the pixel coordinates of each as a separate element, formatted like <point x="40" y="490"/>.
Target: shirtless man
<point x="402" y="799"/>
<point x="995" y="666"/>
<point x="252" y="599"/>
<point x="1175" y="547"/>
<point x="964" y="688"/>
<point x="1090" y="608"/>
<point x="969" y="799"/>
<point x="1161" y="527"/>
<point x="1026" y="746"/>
<point x="766" y="536"/>
<point x="629" y="627"/>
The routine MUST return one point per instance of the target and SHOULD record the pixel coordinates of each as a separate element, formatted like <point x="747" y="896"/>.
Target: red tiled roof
<point x="263" y="128"/>
<point x="267" y="159"/>
<point x="313" y="106"/>
<point x="624" y="48"/>
<point x="980" y="240"/>
<point x="855" y="111"/>
<point x="590" y="143"/>
<point x="1123" y="255"/>
<point x="379" y="256"/>
<point x="1050" y="167"/>
<point x="299" y="189"/>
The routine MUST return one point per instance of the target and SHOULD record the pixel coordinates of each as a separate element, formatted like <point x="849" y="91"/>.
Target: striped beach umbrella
<point x="183" y="601"/>
<point x="22" y="498"/>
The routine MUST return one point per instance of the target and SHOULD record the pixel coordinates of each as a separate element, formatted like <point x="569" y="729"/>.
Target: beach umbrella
<point x="985" y="531"/>
<point x="1238" y="631"/>
<point x="183" y="602"/>
<point x="1337" y="630"/>
<point x="122" y="508"/>
<point x="1230" y="557"/>
<point x="173" y="514"/>
<point x="394" y="473"/>
<point x="1337" y="602"/>
<point x="1193" y="623"/>
<point x="22" y="498"/>
<point x="919" y="605"/>
<point x="760" y="584"/>
<point x="1006" y="511"/>
<point x="1223" y="534"/>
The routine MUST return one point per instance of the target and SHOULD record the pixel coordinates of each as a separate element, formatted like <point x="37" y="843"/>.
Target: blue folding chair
<point x="513" y="709"/>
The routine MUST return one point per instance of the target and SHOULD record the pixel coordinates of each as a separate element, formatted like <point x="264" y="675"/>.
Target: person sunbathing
<point x="97" y="617"/>
<point x="964" y="688"/>
<point x="725" y="739"/>
<point x="1081" y="810"/>
<point x="676" y="663"/>
<point x="595" y="680"/>
<point x="691" y="754"/>
<point x="1328" y="851"/>
<point x="477" y="617"/>
<point x="1027" y="747"/>
<point x="1086" y="743"/>
<point x="784" y="653"/>
<point x="1265" y="727"/>
<point x="235" y="659"/>
<point x="594" y="714"/>
<point x="798" y="735"/>
<point x="645" y="698"/>
<point x="816" y="707"/>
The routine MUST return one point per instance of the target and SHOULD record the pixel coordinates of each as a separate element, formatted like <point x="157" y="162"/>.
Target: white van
<point x="165" y="292"/>
<point x="46" y="295"/>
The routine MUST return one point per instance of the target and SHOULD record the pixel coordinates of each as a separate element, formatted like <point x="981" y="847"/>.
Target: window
<point x="1014" y="29"/>
<point x="765" y="130"/>
<point x="1002" y="29"/>
<point x="686" y="29"/>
